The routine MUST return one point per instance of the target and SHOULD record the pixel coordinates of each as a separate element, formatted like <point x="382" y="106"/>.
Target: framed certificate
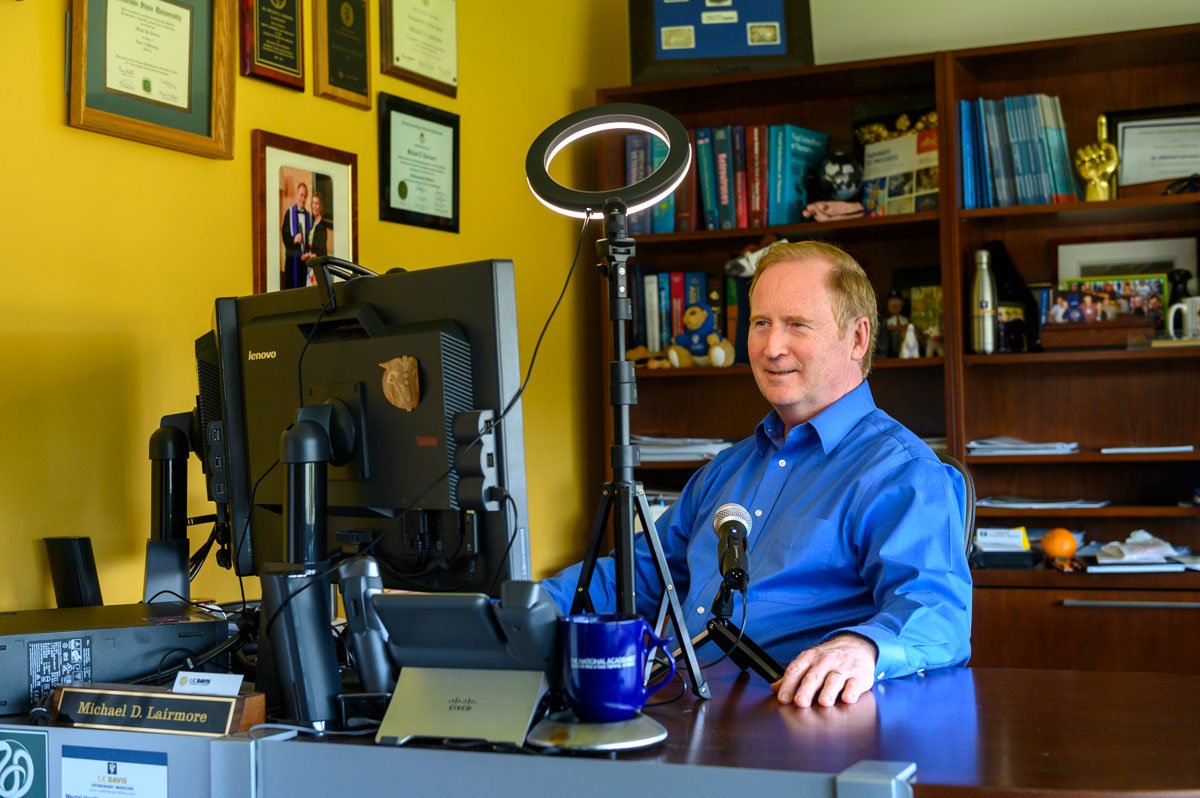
<point x="305" y="205"/>
<point x="419" y="42"/>
<point x="418" y="164"/>
<point x="1156" y="144"/>
<point x="273" y="41"/>
<point x="340" y="52"/>
<point x="673" y="39"/>
<point x="155" y="71"/>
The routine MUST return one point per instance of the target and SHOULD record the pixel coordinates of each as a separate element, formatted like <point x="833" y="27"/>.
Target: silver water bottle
<point x="983" y="305"/>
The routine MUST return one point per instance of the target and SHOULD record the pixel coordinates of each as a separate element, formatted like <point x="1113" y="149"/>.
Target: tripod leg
<point x="743" y="652"/>
<point x="671" y="599"/>
<point x="583" y="599"/>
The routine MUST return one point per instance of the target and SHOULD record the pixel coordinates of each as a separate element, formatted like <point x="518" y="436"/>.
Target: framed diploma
<point x="419" y="41"/>
<point x="155" y="71"/>
<point x="305" y="205"/>
<point x="340" y="51"/>
<point x="1156" y="144"/>
<point x="418" y="164"/>
<point x="669" y="39"/>
<point x="273" y="41"/>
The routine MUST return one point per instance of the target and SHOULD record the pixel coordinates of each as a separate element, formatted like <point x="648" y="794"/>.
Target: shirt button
<point x="757" y="513"/>
<point x="782" y="463"/>
<point x="699" y="610"/>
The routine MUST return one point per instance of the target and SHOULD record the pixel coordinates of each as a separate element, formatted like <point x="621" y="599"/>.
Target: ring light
<point x="616" y="116"/>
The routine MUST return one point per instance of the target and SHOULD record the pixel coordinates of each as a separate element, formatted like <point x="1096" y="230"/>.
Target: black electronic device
<point x="332" y="349"/>
<point x="732" y="525"/>
<point x="41" y="649"/>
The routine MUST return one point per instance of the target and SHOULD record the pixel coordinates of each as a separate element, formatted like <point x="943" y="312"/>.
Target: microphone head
<point x="731" y="511"/>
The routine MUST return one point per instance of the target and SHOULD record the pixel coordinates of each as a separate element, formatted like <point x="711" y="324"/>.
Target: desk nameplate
<point x="150" y="709"/>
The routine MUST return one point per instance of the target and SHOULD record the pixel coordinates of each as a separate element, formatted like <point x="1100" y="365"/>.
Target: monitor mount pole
<point x="615" y="249"/>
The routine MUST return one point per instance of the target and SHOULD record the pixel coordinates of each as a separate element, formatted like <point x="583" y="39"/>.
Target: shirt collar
<point x="831" y="425"/>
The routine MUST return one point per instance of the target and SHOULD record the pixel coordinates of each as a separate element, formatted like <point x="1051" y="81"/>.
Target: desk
<point x="970" y="731"/>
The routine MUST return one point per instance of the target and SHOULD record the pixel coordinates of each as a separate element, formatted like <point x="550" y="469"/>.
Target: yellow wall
<point x="114" y="251"/>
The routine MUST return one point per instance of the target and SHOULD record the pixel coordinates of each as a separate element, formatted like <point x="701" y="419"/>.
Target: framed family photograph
<point x="305" y="206"/>
<point x="340" y="52"/>
<point x="418" y="164"/>
<point x="273" y="41"/>
<point x="419" y="42"/>
<point x="670" y="40"/>
<point x="157" y="71"/>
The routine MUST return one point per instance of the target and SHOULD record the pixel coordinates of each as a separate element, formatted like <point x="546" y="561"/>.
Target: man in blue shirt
<point x="856" y="556"/>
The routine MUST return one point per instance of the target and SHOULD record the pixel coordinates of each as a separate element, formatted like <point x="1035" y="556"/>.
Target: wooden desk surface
<point x="988" y="730"/>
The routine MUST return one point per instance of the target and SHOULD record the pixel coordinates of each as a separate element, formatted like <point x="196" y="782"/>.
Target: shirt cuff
<point x="890" y="660"/>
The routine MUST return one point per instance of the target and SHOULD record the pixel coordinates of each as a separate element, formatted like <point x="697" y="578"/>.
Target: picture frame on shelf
<point x="341" y="67"/>
<point x="173" y="87"/>
<point x="1158" y="255"/>
<point x="280" y="166"/>
<point x="418" y="164"/>
<point x="670" y="40"/>
<point x="272" y="41"/>
<point x="1156" y="144"/>
<point x="418" y="42"/>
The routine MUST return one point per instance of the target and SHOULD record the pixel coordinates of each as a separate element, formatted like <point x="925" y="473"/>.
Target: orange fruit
<point x="1058" y="542"/>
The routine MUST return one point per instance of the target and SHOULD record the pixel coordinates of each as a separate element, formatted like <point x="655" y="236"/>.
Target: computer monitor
<point x="276" y="352"/>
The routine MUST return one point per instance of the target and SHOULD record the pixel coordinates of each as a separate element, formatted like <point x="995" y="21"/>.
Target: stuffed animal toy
<point x="699" y="344"/>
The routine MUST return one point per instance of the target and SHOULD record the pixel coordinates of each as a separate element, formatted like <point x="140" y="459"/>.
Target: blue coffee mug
<point x="604" y="665"/>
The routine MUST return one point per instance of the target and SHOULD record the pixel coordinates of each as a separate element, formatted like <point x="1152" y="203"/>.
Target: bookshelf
<point x="1099" y="398"/>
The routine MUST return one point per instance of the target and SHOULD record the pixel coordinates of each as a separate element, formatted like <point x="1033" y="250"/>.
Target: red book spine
<point x="686" y="207"/>
<point x="676" y="304"/>
<point x="756" y="175"/>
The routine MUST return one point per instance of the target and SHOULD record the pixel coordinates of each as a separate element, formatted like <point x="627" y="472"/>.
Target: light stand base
<point x="564" y="730"/>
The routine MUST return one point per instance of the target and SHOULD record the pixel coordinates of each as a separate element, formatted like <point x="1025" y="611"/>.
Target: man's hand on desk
<point x="843" y="665"/>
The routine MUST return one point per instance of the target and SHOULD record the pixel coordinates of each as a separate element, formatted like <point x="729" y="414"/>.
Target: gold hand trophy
<point x="1097" y="164"/>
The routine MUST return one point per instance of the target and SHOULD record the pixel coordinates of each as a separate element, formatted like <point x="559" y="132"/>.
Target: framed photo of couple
<point x="305" y="206"/>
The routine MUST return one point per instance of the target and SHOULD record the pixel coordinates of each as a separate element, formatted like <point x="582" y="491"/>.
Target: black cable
<point x="199" y="660"/>
<point x="328" y="305"/>
<point x="462" y="450"/>
<point x="237" y="548"/>
<point x="515" y="526"/>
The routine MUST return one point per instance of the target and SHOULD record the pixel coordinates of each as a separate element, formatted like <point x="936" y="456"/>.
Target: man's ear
<point x="862" y="337"/>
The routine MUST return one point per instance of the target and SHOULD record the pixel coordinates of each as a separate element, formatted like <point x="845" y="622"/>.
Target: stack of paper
<point x="1024" y="503"/>
<point x="658" y="450"/>
<point x="1005" y="444"/>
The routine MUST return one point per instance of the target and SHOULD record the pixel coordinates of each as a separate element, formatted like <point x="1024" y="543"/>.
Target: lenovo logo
<point x="252" y="355"/>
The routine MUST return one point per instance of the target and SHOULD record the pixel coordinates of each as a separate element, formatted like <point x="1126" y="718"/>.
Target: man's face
<point x="801" y="361"/>
<point x="301" y="197"/>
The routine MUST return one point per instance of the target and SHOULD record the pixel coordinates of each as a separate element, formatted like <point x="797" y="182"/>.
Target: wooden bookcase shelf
<point x="1111" y="511"/>
<point x="1101" y="398"/>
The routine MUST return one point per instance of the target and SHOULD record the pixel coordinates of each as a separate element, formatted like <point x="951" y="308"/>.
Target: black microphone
<point x="732" y="525"/>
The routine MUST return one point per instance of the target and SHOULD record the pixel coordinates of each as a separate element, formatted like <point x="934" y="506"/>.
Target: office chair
<point x="969" y="509"/>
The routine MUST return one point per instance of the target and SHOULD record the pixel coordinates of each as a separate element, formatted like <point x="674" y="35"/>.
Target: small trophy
<point x="1097" y="164"/>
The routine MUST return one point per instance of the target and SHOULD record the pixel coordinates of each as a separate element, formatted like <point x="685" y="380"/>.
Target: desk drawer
<point x="1124" y="630"/>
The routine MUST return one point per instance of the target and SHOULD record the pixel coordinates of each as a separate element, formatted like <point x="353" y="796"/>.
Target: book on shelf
<point x="676" y="307"/>
<point x="707" y="177"/>
<point x="792" y="150"/>
<point x="649" y="301"/>
<point x="741" y="288"/>
<point x="741" y="207"/>
<point x="1133" y="567"/>
<point x="722" y="140"/>
<point x="900" y="175"/>
<point x="662" y="213"/>
<point x="1026" y="503"/>
<point x="664" y="310"/>
<point x="757" y="167"/>
<point x="716" y="300"/>
<point x="1182" y="448"/>
<point x="982" y="167"/>
<point x="686" y="196"/>
<point x="731" y="312"/>
<point x="637" y="160"/>
<point x="1015" y="152"/>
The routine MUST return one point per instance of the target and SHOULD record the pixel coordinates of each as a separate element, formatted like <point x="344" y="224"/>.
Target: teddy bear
<point x="699" y="344"/>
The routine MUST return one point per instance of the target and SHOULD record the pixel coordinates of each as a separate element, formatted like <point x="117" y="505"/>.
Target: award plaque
<point x="272" y="41"/>
<point x="419" y="42"/>
<point x="340" y="52"/>
<point x="418" y="164"/>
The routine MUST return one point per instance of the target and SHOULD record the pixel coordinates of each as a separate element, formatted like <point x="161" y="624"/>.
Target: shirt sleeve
<point x="910" y="537"/>
<point x="674" y="532"/>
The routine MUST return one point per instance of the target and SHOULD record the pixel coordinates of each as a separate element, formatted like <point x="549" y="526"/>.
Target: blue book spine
<point x="793" y="150"/>
<point x="776" y="209"/>
<point x="662" y="214"/>
<point x="987" y="196"/>
<point x="637" y="160"/>
<point x="968" y="159"/>
<point x="664" y="310"/>
<point x="695" y="289"/>
<point x="1019" y="156"/>
<point x="1004" y="137"/>
<point x="708" y="178"/>
<point x="1038" y="140"/>
<point x="722" y="137"/>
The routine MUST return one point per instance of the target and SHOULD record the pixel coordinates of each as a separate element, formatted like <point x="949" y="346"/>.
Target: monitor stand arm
<point x="167" y="574"/>
<point x="296" y="644"/>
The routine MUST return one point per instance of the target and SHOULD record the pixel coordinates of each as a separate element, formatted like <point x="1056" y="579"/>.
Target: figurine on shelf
<point x="896" y="322"/>
<point x="1097" y="164"/>
<point x="933" y="342"/>
<point x="910" y="348"/>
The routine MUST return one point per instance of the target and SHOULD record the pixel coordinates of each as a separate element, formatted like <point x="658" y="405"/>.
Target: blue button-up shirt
<point x="856" y="527"/>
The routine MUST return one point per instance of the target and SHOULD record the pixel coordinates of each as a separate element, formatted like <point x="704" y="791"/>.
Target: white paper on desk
<point x="1140" y="546"/>
<point x="105" y="772"/>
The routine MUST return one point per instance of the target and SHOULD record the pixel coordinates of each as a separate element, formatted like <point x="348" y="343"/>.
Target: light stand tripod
<point x="615" y="249"/>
